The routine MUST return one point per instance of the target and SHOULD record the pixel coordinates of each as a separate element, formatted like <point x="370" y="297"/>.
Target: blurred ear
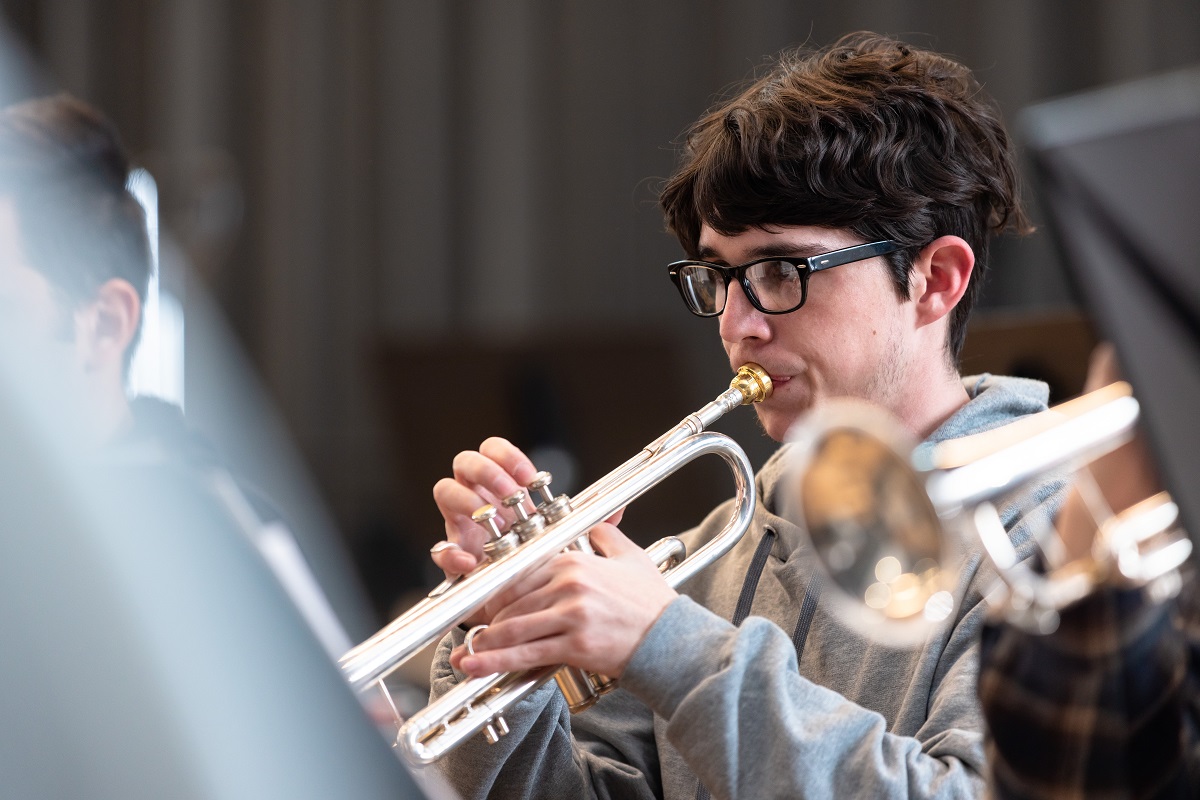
<point x="940" y="277"/>
<point x="108" y="325"/>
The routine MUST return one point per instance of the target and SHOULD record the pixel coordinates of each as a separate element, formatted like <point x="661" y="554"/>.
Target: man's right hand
<point x="487" y="475"/>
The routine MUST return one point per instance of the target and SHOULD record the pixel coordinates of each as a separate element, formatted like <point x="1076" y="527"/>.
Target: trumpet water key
<point x="555" y="524"/>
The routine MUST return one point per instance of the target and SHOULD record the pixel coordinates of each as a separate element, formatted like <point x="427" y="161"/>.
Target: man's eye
<point x="776" y="272"/>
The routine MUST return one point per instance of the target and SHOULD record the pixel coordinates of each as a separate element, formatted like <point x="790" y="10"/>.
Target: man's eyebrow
<point x="791" y="249"/>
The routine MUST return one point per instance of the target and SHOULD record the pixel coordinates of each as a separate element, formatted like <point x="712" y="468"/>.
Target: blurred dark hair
<point x="871" y="135"/>
<point x="63" y="167"/>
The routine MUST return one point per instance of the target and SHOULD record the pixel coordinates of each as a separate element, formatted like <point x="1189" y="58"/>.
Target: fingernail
<point x="440" y="546"/>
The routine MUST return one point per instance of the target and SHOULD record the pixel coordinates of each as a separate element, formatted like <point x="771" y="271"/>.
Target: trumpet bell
<point x="872" y="527"/>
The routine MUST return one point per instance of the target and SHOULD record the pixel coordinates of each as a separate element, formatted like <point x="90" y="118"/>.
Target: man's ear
<point x="109" y="324"/>
<point x="941" y="273"/>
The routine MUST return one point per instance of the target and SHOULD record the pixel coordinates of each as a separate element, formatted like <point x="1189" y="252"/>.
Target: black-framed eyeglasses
<point x="773" y="285"/>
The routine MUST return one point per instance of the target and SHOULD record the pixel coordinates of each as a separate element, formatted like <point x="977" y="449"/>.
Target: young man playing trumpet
<point x="744" y="685"/>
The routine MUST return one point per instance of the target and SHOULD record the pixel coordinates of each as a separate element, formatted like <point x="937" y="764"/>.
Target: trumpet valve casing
<point x="495" y="548"/>
<point x="581" y="689"/>
<point x="552" y="508"/>
<point x="498" y="542"/>
<point x="526" y="525"/>
<point x="526" y="529"/>
<point x="556" y="509"/>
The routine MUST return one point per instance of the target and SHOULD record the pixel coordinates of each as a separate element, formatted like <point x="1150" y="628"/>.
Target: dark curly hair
<point x="870" y="135"/>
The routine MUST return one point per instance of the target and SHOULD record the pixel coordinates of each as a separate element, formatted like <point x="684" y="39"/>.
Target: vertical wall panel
<point x="68" y="46"/>
<point x="501" y="174"/>
<point x="293" y="224"/>
<point x="415" y="153"/>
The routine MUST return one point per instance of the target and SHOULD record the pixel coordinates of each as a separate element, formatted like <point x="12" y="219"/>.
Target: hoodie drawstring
<point x="808" y="608"/>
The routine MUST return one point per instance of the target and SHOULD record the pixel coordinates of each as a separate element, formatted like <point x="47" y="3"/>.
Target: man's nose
<point x="740" y="320"/>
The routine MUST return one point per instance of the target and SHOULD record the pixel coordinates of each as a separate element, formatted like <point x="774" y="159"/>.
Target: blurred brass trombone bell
<point x="890" y="521"/>
<point x="558" y="523"/>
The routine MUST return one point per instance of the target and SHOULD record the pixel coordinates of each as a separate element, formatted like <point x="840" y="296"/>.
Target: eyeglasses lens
<point x="703" y="288"/>
<point x="776" y="284"/>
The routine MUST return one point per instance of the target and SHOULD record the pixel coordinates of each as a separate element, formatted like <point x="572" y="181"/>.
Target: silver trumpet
<point x="557" y="523"/>
<point x="889" y="520"/>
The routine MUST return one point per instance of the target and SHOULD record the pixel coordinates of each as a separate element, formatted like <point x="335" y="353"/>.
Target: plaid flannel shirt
<point x="1105" y="707"/>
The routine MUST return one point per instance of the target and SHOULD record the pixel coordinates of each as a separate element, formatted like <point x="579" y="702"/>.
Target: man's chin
<point x="773" y="425"/>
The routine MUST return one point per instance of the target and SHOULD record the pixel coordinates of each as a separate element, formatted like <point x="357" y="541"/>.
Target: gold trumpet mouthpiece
<point x="753" y="382"/>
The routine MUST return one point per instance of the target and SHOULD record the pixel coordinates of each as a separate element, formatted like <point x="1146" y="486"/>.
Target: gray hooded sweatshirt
<point x="747" y="684"/>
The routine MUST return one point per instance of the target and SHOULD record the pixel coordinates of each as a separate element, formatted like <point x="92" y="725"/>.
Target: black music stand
<point x="1118" y="170"/>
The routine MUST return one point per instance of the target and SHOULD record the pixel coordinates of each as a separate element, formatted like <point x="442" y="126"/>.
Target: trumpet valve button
<point x="496" y="730"/>
<point x="516" y="501"/>
<point x="541" y="484"/>
<point x="486" y="516"/>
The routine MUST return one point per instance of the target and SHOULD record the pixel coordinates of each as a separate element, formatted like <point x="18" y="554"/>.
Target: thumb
<point x="609" y="541"/>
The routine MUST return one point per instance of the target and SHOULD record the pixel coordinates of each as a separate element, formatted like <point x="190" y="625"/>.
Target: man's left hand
<point x="577" y="609"/>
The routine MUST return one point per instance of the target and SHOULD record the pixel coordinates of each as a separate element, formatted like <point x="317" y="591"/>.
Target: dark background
<point x="430" y="221"/>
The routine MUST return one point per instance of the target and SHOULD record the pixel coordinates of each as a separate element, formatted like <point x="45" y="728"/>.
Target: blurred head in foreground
<point x="74" y="253"/>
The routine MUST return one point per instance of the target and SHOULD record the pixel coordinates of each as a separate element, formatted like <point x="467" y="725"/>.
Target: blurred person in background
<point x="75" y="263"/>
<point x="74" y="254"/>
<point x="889" y="163"/>
<point x="131" y="553"/>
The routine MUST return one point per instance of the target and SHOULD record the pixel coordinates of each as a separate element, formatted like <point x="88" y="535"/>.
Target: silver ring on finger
<point x="469" y="641"/>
